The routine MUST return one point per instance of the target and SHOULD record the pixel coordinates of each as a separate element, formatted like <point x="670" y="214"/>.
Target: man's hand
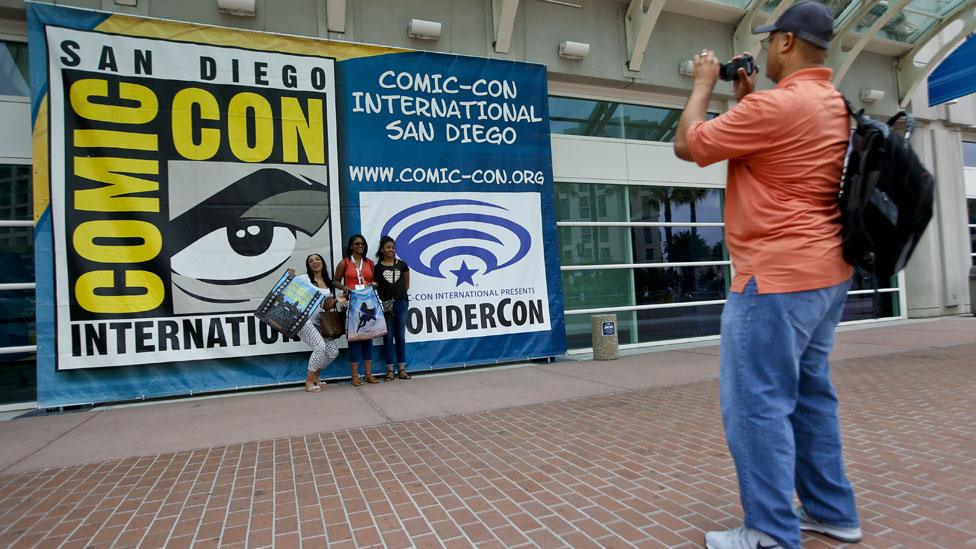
<point x="746" y="83"/>
<point x="706" y="69"/>
<point x="706" y="75"/>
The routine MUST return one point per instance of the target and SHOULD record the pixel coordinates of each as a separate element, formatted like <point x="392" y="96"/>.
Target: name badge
<point x="360" y="287"/>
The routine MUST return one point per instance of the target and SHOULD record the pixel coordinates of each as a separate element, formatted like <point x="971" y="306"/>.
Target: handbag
<point x="388" y="306"/>
<point x="332" y="324"/>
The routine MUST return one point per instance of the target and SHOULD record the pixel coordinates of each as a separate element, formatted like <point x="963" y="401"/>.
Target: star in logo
<point x="464" y="275"/>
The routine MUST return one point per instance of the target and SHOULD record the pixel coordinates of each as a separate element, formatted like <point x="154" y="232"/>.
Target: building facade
<point x="640" y="232"/>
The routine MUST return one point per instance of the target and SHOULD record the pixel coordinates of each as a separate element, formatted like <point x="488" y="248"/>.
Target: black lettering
<point x="215" y="335"/>
<point x="288" y="76"/>
<point x="519" y="313"/>
<point x="502" y="319"/>
<point x="261" y="73"/>
<point x="120" y="329"/>
<point x="318" y="78"/>
<point x="75" y="340"/>
<point x="268" y="334"/>
<point x="107" y="60"/>
<point x="435" y="322"/>
<point x="470" y="316"/>
<point x="535" y="312"/>
<point x="415" y="321"/>
<point x="487" y="315"/>
<point x="252" y="335"/>
<point x="143" y="61"/>
<point x="95" y="340"/>
<point x="454" y="318"/>
<point x="142" y="336"/>
<point x="192" y="333"/>
<point x="235" y="70"/>
<point x="166" y="331"/>
<point x="208" y="68"/>
<point x="235" y="329"/>
<point x="70" y="57"/>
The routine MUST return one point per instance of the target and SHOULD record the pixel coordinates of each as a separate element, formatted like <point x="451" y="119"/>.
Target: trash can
<point x="603" y="329"/>
<point x="972" y="289"/>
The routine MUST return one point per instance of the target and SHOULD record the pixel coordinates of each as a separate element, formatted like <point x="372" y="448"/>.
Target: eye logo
<point x="437" y="231"/>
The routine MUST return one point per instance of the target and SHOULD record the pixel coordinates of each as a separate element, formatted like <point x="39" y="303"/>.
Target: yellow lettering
<point x="85" y="235"/>
<point x="83" y="90"/>
<point x="237" y="126"/>
<point x="112" y="303"/>
<point x="183" y="124"/>
<point x="114" y="196"/>
<point x="295" y="127"/>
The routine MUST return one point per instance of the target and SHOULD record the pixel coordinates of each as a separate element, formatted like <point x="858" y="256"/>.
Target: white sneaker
<point x="839" y="533"/>
<point x="739" y="538"/>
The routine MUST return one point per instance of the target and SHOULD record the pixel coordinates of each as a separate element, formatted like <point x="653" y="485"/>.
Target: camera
<point x="730" y="71"/>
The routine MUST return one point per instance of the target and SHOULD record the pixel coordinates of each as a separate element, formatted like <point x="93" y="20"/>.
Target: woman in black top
<point x="392" y="278"/>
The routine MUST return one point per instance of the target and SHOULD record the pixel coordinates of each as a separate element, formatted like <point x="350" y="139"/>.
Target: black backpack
<point x="886" y="196"/>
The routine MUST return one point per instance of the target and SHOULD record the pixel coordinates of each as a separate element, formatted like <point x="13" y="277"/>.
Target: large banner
<point x="180" y="169"/>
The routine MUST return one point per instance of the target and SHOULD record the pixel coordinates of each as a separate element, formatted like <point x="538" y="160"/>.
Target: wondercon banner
<point x="180" y="169"/>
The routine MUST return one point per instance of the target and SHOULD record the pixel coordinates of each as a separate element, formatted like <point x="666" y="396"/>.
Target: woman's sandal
<point x="313" y="388"/>
<point x="356" y="381"/>
<point x="389" y="376"/>
<point x="371" y="379"/>
<point x="404" y="375"/>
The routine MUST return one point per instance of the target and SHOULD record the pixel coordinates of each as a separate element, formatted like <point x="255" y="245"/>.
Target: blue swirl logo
<point x="441" y="233"/>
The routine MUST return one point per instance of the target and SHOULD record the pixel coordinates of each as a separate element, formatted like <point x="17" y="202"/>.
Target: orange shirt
<point x="785" y="149"/>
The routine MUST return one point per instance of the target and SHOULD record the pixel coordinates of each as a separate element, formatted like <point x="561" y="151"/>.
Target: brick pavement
<point x="645" y="468"/>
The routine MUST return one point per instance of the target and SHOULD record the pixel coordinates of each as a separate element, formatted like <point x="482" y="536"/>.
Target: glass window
<point x="16" y="243"/>
<point x="16" y="255"/>
<point x="650" y="123"/>
<point x="969" y="154"/>
<point x="570" y="116"/>
<point x="578" y="330"/>
<point x="658" y="285"/>
<point x="677" y="244"/>
<point x="971" y="203"/>
<point x="597" y="288"/>
<point x="18" y="378"/>
<point x="14" y="79"/>
<point x="675" y="204"/>
<point x="574" y="200"/>
<point x="594" y="245"/>
<point x="864" y="280"/>
<point x="861" y="306"/>
<point x="679" y="322"/>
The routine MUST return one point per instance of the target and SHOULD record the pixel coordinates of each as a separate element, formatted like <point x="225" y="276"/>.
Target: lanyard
<point x="359" y="269"/>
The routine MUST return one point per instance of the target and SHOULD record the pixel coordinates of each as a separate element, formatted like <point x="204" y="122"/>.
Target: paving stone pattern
<point x="646" y="468"/>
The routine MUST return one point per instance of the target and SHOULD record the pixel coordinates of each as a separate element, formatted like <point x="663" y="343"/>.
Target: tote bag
<point x="365" y="320"/>
<point x="332" y="324"/>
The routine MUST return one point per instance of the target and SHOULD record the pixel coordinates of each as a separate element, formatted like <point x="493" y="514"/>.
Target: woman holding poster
<point x="355" y="272"/>
<point x="324" y="351"/>
<point x="392" y="283"/>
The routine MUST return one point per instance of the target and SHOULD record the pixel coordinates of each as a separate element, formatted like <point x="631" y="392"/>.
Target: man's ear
<point x="788" y="43"/>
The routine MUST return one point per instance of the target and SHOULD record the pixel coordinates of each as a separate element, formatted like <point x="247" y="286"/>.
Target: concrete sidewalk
<point x="628" y="453"/>
<point x="107" y="433"/>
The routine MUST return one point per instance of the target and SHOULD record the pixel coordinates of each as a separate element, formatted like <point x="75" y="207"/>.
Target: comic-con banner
<point x="464" y="186"/>
<point x="180" y="169"/>
<point x="184" y="177"/>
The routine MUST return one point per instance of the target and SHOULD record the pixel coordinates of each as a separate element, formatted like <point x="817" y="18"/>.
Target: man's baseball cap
<point x="810" y="20"/>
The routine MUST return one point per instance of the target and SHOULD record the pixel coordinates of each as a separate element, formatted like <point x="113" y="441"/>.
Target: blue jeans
<point x="360" y="350"/>
<point x="779" y="408"/>
<point x="394" y="344"/>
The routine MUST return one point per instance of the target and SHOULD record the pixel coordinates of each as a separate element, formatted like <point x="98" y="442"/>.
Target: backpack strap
<point x="909" y="122"/>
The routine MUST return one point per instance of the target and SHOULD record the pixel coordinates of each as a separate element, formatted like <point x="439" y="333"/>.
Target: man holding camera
<point x="785" y="149"/>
